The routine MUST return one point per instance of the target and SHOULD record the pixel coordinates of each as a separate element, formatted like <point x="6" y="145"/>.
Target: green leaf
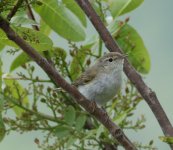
<point x="44" y="28"/>
<point x="0" y="75"/>
<point x="22" y="20"/>
<point x="80" y="122"/>
<point x="5" y="40"/>
<point x="117" y="6"/>
<point x="71" y="141"/>
<point x="35" y="38"/>
<point x="70" y="115"/>
<point x="76" y="65"/>
<point x="2" y="128"/>
<point x="61" y="20"/>
<point x="132" y="5"/>
<point x="132" y="44"/>
<point x="96" y="7"/>
<point x="38" y="40"/>
<point x="17" y="92"/>
<point x="167" y="139"/>
<point x="90" y="134"/>
<point x="20" y="60"/>
<point x="1" y="102"/>
<point x="120" y="7"/>
<point x="118" y="119"/>
<point x="1" y="47"/>
<point x="72" y="5"/>
<point x="62" y="131"/>
<point x="100" y="130"/>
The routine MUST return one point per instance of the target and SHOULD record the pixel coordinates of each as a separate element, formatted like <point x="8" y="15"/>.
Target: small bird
<point x="102" y="81"/>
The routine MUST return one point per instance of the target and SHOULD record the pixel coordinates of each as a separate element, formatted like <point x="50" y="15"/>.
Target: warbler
<point x="102" y="81"/>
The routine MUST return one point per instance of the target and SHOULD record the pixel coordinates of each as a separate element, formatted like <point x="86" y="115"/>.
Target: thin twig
<point x="14" y="10"/>
<point x="26" y="79"/>
<point x="89" y="106"/>
<point x="39" y="114"/>
<point x="149" y="95"/>
<point x="31" y="15"/>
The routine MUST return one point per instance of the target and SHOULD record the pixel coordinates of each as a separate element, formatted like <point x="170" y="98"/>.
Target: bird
<point x="102" y="81"/>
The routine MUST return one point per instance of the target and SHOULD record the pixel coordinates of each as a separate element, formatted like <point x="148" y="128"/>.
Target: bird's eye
<point x="110" y="59"/>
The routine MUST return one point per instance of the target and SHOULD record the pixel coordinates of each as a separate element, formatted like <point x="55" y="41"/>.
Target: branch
<point x="14" y="10"/>
<point x="89" y="106"/>
<point x="149" y="95"/>
<point x="31" y="15"/>
<point x="35" y="27"/>
<point x="39" y="114"/>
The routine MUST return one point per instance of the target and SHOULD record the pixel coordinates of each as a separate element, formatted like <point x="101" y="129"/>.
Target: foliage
<point x="27" y="90"/>
<point x="166" y="139"/>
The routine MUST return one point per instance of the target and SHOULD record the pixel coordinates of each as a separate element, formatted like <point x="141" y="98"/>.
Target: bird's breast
<point x="102" y="88"/>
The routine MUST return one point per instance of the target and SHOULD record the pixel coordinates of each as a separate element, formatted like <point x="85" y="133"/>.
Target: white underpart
<point x="104" y="88"/>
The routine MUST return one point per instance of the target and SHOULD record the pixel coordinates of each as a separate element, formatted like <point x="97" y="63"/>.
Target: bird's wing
<point x="86" y="77"/>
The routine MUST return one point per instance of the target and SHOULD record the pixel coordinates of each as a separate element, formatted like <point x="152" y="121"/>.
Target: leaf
<point x="167" y="139"/>
<point x="100" y="130"/>
<point x="120" y="7"/>
<point x="71" y="141"/>
<point x="1" y="102"/>
<point x="61" y="20"/>
<point x="72" y="5"/>
<point x="0" y="75"/>
<point x="90" y="134"/>
<point x="76" y="65"/>
<point x="5" y="40"/>
<point x="17" y="92"/>
<point x="117" y="6"/>
<point x="35" y="38"/>
<point x="132" y="44"/>
<point x="1" y="47"/>
<point x="80" y="122"/>
<point x="132" y="5"/>
<point x="120" y="117"/>
<point x="2" y="128"/>
<point x="61" y="131"/>
<point x="20" y="60"/>
<point x="22" y="20"/>
<point x="44" y="28"/>
<point x="96" y="7"/>
<point x="70" y="115"/>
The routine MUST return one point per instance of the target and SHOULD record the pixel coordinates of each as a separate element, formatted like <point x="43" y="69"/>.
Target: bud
<point x="88" y="62"/>
<point x="127" y="19"/>
<point x="49" y="89"/>
<point x="37" y="141"/>
<point x="43" y="100"/>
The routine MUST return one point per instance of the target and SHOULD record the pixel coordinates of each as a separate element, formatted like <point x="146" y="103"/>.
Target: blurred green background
<point x="154" y="21"/>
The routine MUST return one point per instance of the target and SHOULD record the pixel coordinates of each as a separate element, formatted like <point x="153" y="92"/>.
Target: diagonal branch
<point x="149" y="95"/>
<point x="98" y="113"/>
<point x="14" y="10"/>
<point x="31" y="15"/>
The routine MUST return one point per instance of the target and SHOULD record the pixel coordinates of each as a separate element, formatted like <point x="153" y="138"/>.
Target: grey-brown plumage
<point x="101" y="81"/>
